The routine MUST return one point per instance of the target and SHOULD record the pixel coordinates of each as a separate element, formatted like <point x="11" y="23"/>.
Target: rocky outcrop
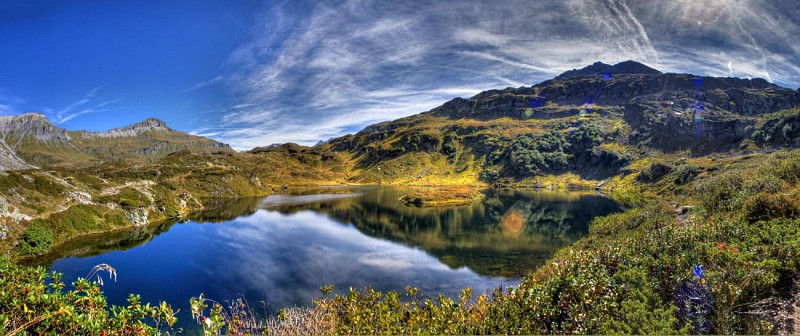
<point x="138" y="216"/>
<point x="10" y="211"/>
<point x="80" y="197"/>
<point x="150" y="124"/>
<point x="9" y="159"/>
<point x="31" y="124"/>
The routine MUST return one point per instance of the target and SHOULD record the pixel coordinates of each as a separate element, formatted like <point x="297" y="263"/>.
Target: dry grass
<point x="782" y="312"/>
<point x="302" y="321"/>
<point x="98" y="269"/>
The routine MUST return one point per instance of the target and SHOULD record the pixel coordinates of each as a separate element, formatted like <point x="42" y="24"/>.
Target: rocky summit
<point x="149" y="124"/>
<point x="607" y="70"/>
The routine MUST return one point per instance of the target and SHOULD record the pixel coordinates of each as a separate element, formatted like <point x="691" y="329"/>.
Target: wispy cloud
<point x="317" y="70"/>
<point x="85" y="105"/>
<point x="9" y="103"/>
<point x="81" y="102"/>
<point x="203" y="84"/>
<point x="87" y="111"/>
<point x="7" y="110"/>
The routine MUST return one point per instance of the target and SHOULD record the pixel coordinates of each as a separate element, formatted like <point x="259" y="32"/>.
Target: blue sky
<point x="253" y="73"/>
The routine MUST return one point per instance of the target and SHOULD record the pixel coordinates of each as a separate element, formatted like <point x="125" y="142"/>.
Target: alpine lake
<point x="277" y="251"/>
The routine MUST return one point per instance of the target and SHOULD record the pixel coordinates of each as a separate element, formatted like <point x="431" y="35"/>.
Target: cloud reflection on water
<point x="288" y="257"/>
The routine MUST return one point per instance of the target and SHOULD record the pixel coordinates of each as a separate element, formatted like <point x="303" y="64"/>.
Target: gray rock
<point x="138" y="216"/>
<point x="150" y="124"/>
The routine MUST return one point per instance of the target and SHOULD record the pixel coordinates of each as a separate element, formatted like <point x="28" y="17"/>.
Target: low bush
<point x="686" y="172"/>
<point x="765" y="206"/>
<point x="36" y="239"/>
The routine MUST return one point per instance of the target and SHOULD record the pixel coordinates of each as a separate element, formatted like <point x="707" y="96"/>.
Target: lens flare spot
<point x="513" y="223"/>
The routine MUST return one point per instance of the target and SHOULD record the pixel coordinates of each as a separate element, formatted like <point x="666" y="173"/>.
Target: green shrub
<point x="642" y="312"/>
<point x="533" y="154"/>
<point x="35" y="303"/>
<point x="36" y="239"/>
<point x="686" y="172"/>
<point x="584" y="137"/>
<point x="765" y="206"/>
<point x="75" y="220"/>
<point x="489" y="175"/>
<point x="611" y="158"/>
<point x="656" y="171"/>
<point x="779" y="129"/>
<point x="128" y="198"/>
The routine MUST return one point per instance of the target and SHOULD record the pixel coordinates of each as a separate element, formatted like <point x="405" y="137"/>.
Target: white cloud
<point x="74" y="115"/>
<point x="7" y="110"/>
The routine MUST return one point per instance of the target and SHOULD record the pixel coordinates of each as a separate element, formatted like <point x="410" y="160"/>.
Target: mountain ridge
<point x="30" y="140"/>
<point x="520" y="133"/>
<point x="607" y="70"/>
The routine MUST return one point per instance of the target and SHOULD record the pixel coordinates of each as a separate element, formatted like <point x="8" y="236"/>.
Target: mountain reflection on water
<point x="508" y="233"/>
<point x="281" y="249"/>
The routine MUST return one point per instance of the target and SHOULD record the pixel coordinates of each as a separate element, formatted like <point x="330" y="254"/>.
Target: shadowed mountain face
<point x="30" y="140"/>
<point x="606" y="70"/>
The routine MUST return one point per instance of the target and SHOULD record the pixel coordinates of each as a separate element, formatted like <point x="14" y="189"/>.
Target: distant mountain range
<point x="29" y="140"/>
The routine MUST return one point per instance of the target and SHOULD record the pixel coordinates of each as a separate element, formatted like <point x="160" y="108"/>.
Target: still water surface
<point x="281" y="249"/>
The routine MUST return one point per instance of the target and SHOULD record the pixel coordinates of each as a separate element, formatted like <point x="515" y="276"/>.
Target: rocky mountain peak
<point x="29" y="116"/>
<point x="149" y="124"/>
<point x="601" y="69"/>
<point x="32" y="124"/>
<point x="25" y="118"/>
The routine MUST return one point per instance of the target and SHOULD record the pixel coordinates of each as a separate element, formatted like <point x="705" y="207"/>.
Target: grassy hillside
<point x="574" y="131"/>
<point x="45" y="208"/>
